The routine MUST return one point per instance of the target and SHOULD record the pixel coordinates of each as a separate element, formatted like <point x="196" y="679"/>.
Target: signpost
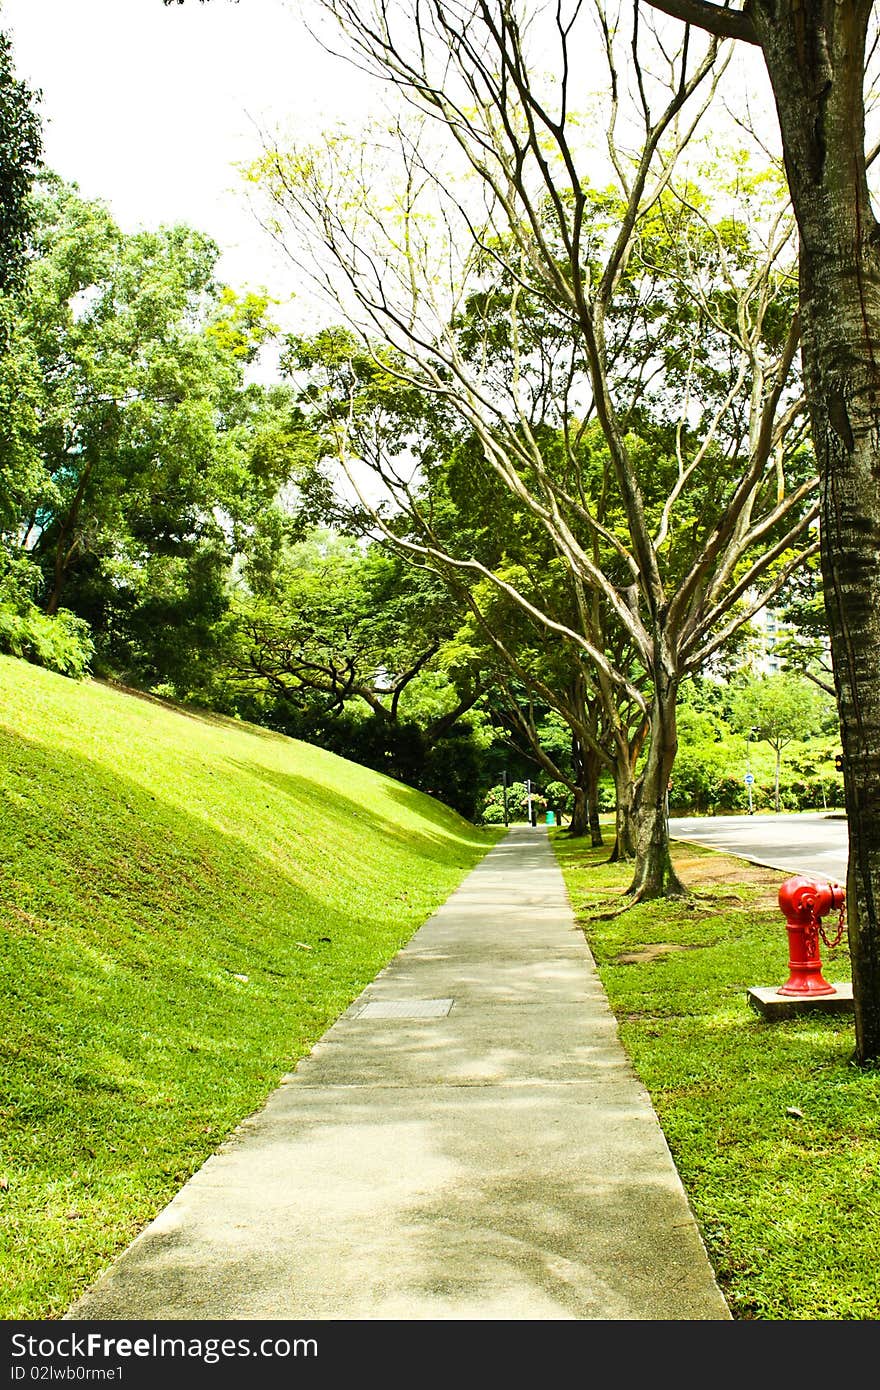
<point x="750" y="777"/>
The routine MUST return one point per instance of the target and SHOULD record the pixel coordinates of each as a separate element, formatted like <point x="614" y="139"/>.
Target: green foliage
<point x="330" y="615"/>
<point x="781" y="708"/>
<point x="558" y="797"/>
<point x="139" y="462"/>
<point x="702" y="779"/>
<point x="778" y="710"/>
<point x="803" y="643"/>
<point x="517" y="803"/>
<point x="187" y="903"/>
<point x="345" y="645"/>
<point x="24" y="479"/>
<point x="61" y="643"/>
<point x="21" y="143"/>
<point x="714" y="755"/>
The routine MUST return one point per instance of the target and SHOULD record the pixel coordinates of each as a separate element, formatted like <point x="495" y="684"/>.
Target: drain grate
<point x="407" y="1008"/>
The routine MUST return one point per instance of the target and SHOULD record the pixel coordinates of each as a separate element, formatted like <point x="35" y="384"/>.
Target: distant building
<point x="768" y="629"/>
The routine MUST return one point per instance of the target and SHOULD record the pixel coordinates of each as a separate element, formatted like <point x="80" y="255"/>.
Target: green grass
<point x="186" y="904"/>
<point x="789" y="1207"/>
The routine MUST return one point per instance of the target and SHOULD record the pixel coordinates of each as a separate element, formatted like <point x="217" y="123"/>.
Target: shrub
<point x="493" y="805"/>
<point x="61" y="643"/>
<point x="701" y="780"/>
<point x="559" y="797"/>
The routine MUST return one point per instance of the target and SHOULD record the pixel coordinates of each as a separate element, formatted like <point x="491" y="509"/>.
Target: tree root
<point x="681" y="894"/>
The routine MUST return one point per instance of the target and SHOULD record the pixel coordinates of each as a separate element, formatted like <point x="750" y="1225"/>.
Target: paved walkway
<point x="467" y="1141"/>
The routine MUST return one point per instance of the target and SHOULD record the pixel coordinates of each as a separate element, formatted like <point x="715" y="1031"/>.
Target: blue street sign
<point x="750" y="777"/>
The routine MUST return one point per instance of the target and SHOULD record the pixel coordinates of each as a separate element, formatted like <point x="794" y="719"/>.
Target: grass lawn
<point x="186" y="904"/>
<point x="774" y="1130"/>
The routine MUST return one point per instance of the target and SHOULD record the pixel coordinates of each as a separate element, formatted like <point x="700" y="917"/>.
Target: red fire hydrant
<point x="804" y="902"/>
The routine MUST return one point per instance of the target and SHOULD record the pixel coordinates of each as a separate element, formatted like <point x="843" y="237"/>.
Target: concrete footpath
<point x="467" y="1141"/>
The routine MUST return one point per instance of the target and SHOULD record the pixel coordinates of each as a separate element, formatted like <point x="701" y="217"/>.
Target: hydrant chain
<point x="841" y="924"/>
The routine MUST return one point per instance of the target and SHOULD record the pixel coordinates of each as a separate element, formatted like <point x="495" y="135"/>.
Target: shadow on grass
<point x="333" y="805"/>
<point x="112" y="895"/>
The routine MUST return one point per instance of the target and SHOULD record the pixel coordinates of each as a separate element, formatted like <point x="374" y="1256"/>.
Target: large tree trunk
<point x="624" y="813"/>
<point x="654" y="875"/>
<point x="596" y="839"/>
<point x="66" y="543"/>
<point x="815" y="53"/>
<point x="579" y="824"/>
<point x="585" y="813"/>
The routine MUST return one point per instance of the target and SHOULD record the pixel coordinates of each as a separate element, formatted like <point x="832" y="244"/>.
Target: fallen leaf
<point x="303" y="945"/>
<point x="794" y="1112"/>
<point x="4" y="1184"/>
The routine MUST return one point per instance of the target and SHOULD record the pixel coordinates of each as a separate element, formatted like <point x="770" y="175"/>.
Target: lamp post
<point x="504" y="792"/>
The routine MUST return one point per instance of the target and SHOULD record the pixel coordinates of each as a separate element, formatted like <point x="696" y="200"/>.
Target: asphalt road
<point x="806" y="843"/>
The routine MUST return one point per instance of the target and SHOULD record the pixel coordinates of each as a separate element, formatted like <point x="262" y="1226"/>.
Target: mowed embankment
<point x="186" y="904"/>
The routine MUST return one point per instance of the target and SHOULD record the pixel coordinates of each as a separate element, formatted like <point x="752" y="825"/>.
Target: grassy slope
<point x="773" y="1129"/>
<point x="186" y="904"/>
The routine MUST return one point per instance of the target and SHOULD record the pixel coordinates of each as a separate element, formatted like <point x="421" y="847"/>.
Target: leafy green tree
<point x="158" y="461"/>
<point x="20" y="159"/>
<point x="539" y="486"/>
<point x="565" y="307"/>
<point x="345" y="622"/>
<point x="804" y="644"/>
<point x="345" y="644"/>
<point x="21" y="145"/>
<point x="778" y="710"/>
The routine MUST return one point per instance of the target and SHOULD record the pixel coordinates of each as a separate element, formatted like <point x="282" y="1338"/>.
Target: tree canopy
<point x="623" y="358"/>
<point x="21" y="147"/>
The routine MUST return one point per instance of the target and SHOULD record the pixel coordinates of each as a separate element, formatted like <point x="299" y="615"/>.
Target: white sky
<point x="147" y="107"/>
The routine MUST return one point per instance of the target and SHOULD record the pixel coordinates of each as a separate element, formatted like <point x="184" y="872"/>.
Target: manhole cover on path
<point x="407" y="1008"/>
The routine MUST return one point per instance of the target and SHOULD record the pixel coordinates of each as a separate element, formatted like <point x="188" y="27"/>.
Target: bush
<point x="559" y="798"/>
<point x="803" y="791"/>
<point x="61" y="643"/>
<point x="517" y="804"/>
<point x="701" y="781"/>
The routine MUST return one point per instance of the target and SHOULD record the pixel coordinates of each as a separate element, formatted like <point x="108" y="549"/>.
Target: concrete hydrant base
<point x="767" y="1000"/>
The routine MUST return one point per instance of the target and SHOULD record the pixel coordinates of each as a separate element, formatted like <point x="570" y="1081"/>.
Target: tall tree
<point x="610" y="271"/>
<point x="21" y="145"/>
<point x="346" y="624"/>
<point x="815" y="56"/>
<point x="20" y="160"/>
<point x="778" y="710"/>
<point x="159" y="460"/>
